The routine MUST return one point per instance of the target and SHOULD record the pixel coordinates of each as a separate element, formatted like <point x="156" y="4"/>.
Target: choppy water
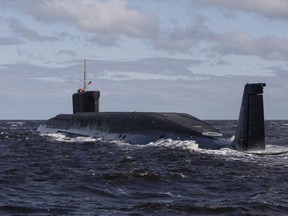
<point x="58" y="175"/>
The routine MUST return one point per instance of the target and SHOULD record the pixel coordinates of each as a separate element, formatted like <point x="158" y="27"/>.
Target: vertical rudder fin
<point x="250" y="134"/>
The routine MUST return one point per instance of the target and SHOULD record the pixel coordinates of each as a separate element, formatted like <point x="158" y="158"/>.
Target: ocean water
<point x="59" y="175"/>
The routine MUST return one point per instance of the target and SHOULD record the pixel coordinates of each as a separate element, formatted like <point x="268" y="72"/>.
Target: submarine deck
<point x="134" y="121"/>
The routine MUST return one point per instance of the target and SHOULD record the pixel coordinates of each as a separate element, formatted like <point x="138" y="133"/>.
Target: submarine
<point x="147" y="127"/>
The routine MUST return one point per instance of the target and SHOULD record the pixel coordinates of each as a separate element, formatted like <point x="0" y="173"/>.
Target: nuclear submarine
<point x="147" y="127"/>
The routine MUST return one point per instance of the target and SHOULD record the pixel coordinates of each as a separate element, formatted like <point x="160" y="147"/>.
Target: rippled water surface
<point x="60" y="175"/>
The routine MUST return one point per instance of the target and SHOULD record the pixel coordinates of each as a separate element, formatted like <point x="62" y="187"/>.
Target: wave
<point x="273" y="155"/>
<point x="169" y="143"/>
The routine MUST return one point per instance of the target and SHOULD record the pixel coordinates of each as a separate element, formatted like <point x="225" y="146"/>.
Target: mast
<point x="84" y="74"/>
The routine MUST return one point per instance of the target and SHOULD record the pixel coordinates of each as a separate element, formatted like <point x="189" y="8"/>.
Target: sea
<point x="54" y="174"/>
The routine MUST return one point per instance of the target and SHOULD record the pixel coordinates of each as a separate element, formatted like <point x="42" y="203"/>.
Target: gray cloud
<point x="28" y="34"/>
<point x="42" y="92"/>
<point x="103" y="39"/>
<point x="184" y="39"/>
<point x="276" y="9"/>
<point x="108" y="28"/>
<point x="6" y="41"/>
<point x="241" y="43"/>
<point x="67" y="52"/>
<point x="153" y="66"/>
<point x="113" y="16"/>
<point x="233" y="42"/>
<point x="25" y="53"/>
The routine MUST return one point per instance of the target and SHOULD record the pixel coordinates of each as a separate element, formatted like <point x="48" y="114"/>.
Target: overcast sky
<point x="191" y="56"/>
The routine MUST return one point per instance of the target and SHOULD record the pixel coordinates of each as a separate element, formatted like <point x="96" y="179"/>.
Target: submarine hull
<point x="137" y="127"/>
<point x="146" y="127"/>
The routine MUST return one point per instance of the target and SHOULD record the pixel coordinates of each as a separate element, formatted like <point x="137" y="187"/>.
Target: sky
<point x="190" y="56"/>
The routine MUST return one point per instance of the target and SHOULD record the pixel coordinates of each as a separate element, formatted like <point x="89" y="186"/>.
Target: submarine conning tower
<point x="87" y="101"/>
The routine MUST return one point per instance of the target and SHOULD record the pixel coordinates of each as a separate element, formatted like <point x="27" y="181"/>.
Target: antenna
<point x="84" y="74"/>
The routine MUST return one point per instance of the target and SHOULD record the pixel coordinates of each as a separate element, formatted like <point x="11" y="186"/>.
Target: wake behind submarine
<point x="146" y="127"/>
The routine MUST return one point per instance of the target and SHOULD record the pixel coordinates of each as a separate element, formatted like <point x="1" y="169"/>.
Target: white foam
<point x="16" y="123"/>
<point x="272" y="156"/>
<point x="168" y="143"/>
<point x="60" y="137"/>
<point x="271" y="150"/>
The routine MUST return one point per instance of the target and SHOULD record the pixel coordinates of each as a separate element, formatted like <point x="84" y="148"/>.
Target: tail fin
<point x="250" y="132"/>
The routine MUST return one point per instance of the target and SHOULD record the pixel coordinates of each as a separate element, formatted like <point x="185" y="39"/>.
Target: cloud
<point x="235" y="42"/>
<point x="9" y="41"/>
<point x="107" y="22"/>
<point x="22" y="52"/>
<point x="67" y="52"/>
<point x="28" y="34"/>
<point x="6" y="38"/>
<point x="157" y="68"/>
<point x="50" y="79"/>
<point x="242" y="43"/>
<point x="276" y="9"/>
<point x="103" y="39"/>
<point x="17" y="33"/>
<point x="111" y="16"/>
<point x="42" y="92"/>
<point x="184" y="39"/>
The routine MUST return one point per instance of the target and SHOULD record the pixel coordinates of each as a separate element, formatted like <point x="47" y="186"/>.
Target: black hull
<point x="137" y="127"/>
